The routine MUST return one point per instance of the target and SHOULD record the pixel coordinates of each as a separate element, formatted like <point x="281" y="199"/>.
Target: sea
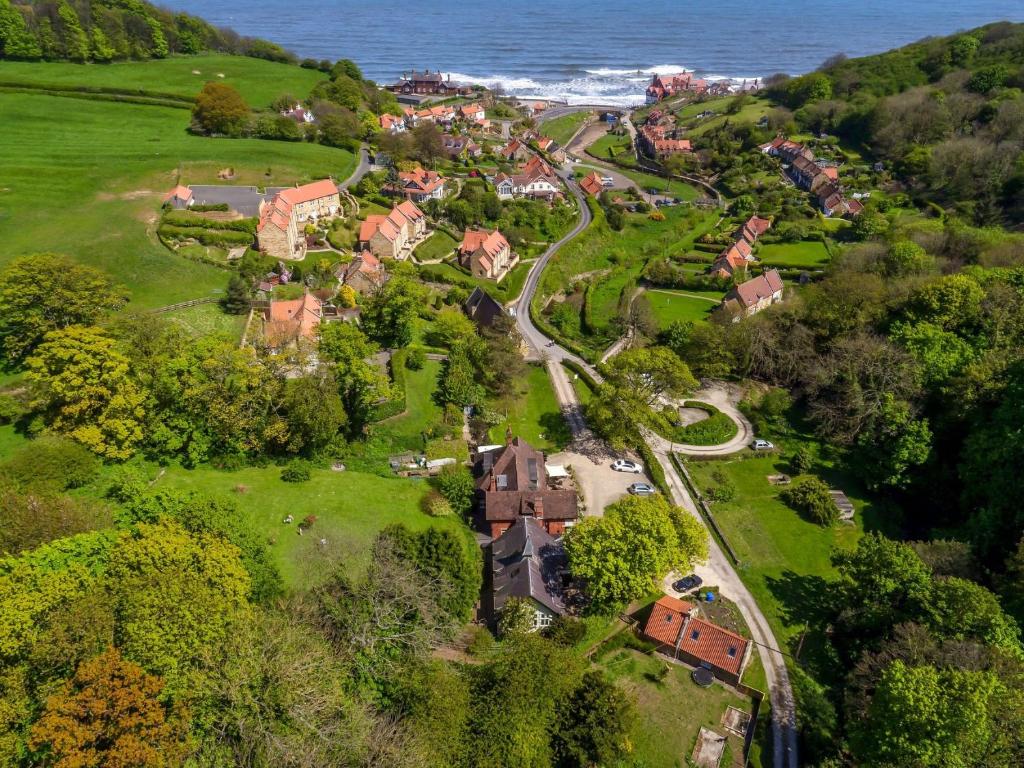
<point x="597" y="51"/>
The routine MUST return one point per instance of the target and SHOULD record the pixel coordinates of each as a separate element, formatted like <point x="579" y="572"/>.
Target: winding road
<point x="719" y="569"/>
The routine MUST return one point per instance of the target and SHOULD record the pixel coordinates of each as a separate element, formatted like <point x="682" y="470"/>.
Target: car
<point x="607" y="181"/>
<point x="687" y="583"/>
<point x="762" y="445"/>
<point x="622" y="465"/>
<point x="641" y="489"/>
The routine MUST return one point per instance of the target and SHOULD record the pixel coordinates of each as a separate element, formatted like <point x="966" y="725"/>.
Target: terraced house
<point x="486" y="254"/>
<point x="278" y="231"/>
<point x="394" y="235"/>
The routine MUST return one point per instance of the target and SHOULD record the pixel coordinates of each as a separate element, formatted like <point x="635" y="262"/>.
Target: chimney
<point x="508" y="435"/>
<point x="538" y="507"/>
<point x="494" y="483"/>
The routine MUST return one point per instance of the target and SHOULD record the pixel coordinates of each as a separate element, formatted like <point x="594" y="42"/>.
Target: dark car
<point x="685" y="584"/>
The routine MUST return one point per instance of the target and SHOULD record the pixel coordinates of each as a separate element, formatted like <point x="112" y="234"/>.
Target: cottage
<point x="515" y="152"/>
<point x="300" y="115"/>
<point x="280" y="217"/>
<point x="289" y="322"/>
<point x="392" y="124"/>
<point x="393" y="236"/>
<point x="472" y="113"/>
<point x="486" y="254"/>
<point x="482" y="309"/>
<point x="419" y="185"/>
<point x="753" y="228"/>
<point x="512" y="483"/>
<point x="551" y="147"/>
<point x="752" y="296"/>
<point x="179" y="198"/>
<point x="460" y="146"/>
<point x="677" y="628"/>
<point x="592" y="184"/>
<point x="528" y="563"/>
<point x="664" y="86"/>
<point x="364" y="274"/>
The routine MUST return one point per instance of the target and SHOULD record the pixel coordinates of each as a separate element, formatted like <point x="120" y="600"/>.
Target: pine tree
<point x="236" y="299"/>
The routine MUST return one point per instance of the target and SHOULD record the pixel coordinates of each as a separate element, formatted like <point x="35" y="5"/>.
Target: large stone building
<point x="512" y="482"/>
<point x="486" y="254"/>
<point x="283" y="216"/>
<point x="428" y="83"/>
<point x="393" y="236"/>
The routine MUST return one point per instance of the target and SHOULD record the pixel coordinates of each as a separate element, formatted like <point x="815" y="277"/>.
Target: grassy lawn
<point x="259" y="81"/>
<point x="351" y="508"/>
<point x="405" y="432"/>
<point x="671" y="709"/>
<point x="753" y="111"/>
<point x="209" y="319"/>
<point x="690" y="306"/>
<point x="438" y="246"/>
<point x="806" y="253"/>
<point x="561" y="129"/>
<point x="63" y="162"/>
<point x="679" y="189"/>
<point x="10" y="441"/>
<point x="611" y="146"/>
<point x="534" y="414"/>
<point x="506" y="290"/>
<point x="783" y="558"/>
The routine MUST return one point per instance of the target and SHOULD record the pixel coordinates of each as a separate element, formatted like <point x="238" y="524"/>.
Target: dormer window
<point x="732" y="652"/>
<point x="695" y="634"/>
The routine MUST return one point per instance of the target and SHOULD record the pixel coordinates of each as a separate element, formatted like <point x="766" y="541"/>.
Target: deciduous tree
<point x="220" y="109"/>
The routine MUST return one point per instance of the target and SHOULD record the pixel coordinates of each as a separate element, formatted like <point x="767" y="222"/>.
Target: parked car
<point x="685" y="584"/>
<point x="622" y="465"/>
<point x="641" y="489"/>
<point x="607" y="181"/>
<point x="762" y="445"/>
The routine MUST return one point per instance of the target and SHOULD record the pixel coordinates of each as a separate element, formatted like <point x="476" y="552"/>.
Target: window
<point x="541" y="620"/>
<point x="732" y="651"/>
<point x="502" y="482"/>
<point x="695" y="634"/>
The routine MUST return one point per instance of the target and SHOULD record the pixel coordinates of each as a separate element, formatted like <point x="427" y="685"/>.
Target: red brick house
<point x="512" y="483"/>
<point x="679" y="631"/>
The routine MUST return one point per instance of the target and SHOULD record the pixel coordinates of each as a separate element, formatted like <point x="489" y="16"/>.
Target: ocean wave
<point x="508" y="82"/>
<point x="658" y="69"/>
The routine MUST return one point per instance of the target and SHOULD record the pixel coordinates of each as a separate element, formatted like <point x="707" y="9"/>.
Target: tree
<point x="802" y="461"/>
<point x="595" y="725"/>
<point x="315" y="412"/>
<point x="111" y="713"/>
<point x="16" y="42"/>
<point x="178" y="597"/>
<point x="456" y="484"/>
<point x="896" y="441"/>
<point x="928" y="717"/>
<point x="83" y="387"/>
<point x="220" y="109"/>
<point x="905" y="257"/>
<point x="46" y="292"/>
<point x="390" y="312"/>
<point x="76" y="43"/>
<point x="428" y="143"/>
<point x="236" y="297"/>
<point x="51" y="465"/>
<point x="31" y="519"/>
<point x="458" y="384"/>
<point x="450" y="326"/>
<point x="100" y="49"/>
<point x="516" y="617"/>
<point x="348" y="68"/>
<point x="961" y="609"/>
<point x="650" y="373"/>
<point x="811" y="496"/>
<point x="620" y="556"/>
<point x="360" y="383"/>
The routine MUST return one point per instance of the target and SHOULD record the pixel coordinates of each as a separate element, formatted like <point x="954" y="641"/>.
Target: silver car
<point x="642" y="489"/>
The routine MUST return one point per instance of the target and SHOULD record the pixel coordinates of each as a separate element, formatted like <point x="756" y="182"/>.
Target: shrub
<point x="437" y="505"/>
<point x="723" y="489"/>
<point x="51" y="463"/>
<point x="455" y="483"/>
<point x="297" y="472"/>
<point x="10" y="409"/>
<point x="810" y="496"/>
<point x="802" y="461"/>
<point x="565" y="631"/>
<point x="481" y="643"/>
<point x="415" y="359"/>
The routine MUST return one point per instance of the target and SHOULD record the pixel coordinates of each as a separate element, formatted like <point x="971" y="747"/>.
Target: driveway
<point x="598" y="484"/>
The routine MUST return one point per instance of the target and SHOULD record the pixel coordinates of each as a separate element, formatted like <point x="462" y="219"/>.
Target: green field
<point x="208" y="319"/>
<point x="63" y="163"/>
<point x="672" y="187"/>
<point x="610" y="146"/>
<point x="438" y="246"/>
<point x="259" y="81"/>
<point x="504" y="291"/>
<point x="561" y="129"/>
<point x="351" y="508"/>
<point x="534" y="415"/>
<point x="405" y="432"/>
<point x="688" y="306"/>
<point x="806" y="253"/>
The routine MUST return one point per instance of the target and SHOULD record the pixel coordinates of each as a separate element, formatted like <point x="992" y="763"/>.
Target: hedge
<point x="188" y="219"/>
<point x="580" y="371"/>
<point x="205" y="236"/>
<point x="654" y="469"/>
<point x="708" y="248"/>
<point x="718" y="428"/>
<point x="396" y="405"/>
<point x="202" y="207"/>
<point x="102" y="89"/>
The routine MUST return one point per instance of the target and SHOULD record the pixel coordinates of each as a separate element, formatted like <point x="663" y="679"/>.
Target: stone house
<point x="419" y="185"/>
<point x="486" y="254"/>
<point x="394" y="235"/>
<point x="292" y="321"/>
<point x="280" y="218"/>
<point x="750" y="297"/>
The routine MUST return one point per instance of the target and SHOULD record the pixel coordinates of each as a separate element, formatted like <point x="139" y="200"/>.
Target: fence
<point x="183" y="305"/>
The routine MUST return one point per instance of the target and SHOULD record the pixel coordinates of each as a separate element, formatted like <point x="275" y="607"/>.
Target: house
<point x="728" y="264"/>
<point x="392" y="124"/>
<point x="473" y="113"/>
<point x="457" y="146"/>
<point x="831" y="200"/>
<point x="530" y="564"/>
<point x="526" y="185"/>
<point x="753" y="228"/>
<point x="291" y="321"/>
<point x="678" y="629"/>
<point x="419" y="185"/>
<point x="591" y="184"/>
<point x="394" y="235"/>
<point x="750" y="297"/>
<point x="428" y="83"/>
<point x="279" y="218"/>
<point x="179" y="198"/>
<point x="486" y="254"/>
<point x="655" y="139"/>
<point x="537" y="165"/>
<point x="440" y="115"/>
<point x="364" y="274"/>
<point x="515" y="152"/>
<point x="299" y="114"/>
<point x="482" y="309"/>
<point x="664" y="86"/>
<point x="512" y="483"/>
<point x="551" y="147"/>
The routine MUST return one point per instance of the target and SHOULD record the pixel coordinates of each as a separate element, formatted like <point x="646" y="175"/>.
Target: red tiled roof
<point x="713" y="644"/>
<point x="666" y="619"/>
<point x="386" y="121"/>
<point x="421" y="181"/>
<point x="754" y="227"/>
<point x="301" y="315"/>
<point x="408" y="209"/>
<point x="760" y="287"/>
<point x="831" y="171"/>
<point x="493" y="243"/>
<point x="591" y="184"/>
<point x="379" y="223"/>
<point x="309" y="192"/>
<point x="179" y="192"/>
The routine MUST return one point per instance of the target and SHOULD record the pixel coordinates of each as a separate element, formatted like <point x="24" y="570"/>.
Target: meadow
<point x="687" y="306"/>
<point x="259" y="81"/>
<point x="563" y="128"/>
<point x="72" y="184"/>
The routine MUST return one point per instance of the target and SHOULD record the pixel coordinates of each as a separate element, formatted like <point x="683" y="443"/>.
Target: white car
<point x="763" y="445"/>
<point x="622" y="465"/>
<point x="607" y="181"/>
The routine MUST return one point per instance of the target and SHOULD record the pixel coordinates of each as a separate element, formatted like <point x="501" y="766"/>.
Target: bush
<point x="565" y="631"/>
<point x="722" y="490"/>
<point x="455" y="483"/>
<point x="10" y="409"/>
<point x="810" y="496"/>
<point x="415" y="359"/>
<point x="297" y="472"/>
<point x="51" y="463"/>
<point x="437" y="505"/>
<point x="481" y="644"/>
<point x="802" y="461"/>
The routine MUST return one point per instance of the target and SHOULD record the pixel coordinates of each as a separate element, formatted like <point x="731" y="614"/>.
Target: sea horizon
<point x="598" y="52"/>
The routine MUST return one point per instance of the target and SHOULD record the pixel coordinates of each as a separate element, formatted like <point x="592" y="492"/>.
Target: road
<point x="719" y="569"/>
<point x="362" y="168"/>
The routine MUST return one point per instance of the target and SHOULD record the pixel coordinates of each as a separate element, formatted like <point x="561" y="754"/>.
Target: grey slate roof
<point x="528" y="562"/>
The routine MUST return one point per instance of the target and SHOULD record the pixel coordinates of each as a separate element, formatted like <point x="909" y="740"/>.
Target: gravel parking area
<point x="598" y="484"/>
